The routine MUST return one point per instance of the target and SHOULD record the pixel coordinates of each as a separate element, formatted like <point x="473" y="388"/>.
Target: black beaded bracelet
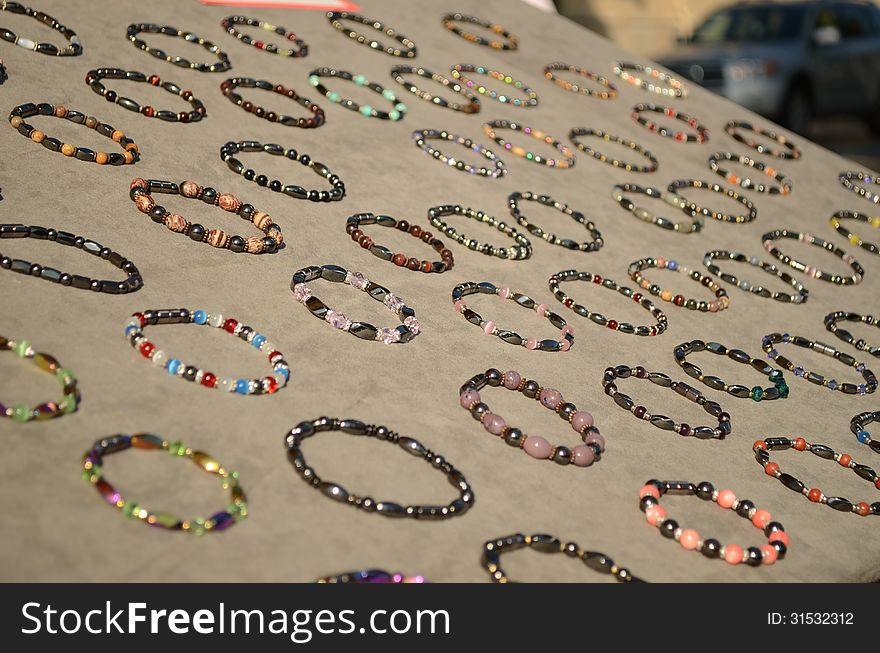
<point x="567" y="160"/>
<point x="396" y="113"/>
<point x="408" y="49"/>
<point x="587" y="246"/>
<point x="521" y="251"/>
<point x="858" y="425"/>
<point x="716" y="161"/>
<point x="608" y="138"/>
<point x="832" y="319"/>
<point x="353" y="228"/>
<point x="73" y="48"/>
<point x="644" y="77"/>
<point x="701" y="135"/>
<point x="449" y="20"/>
<point x="371" y="577"/>
<point x="789" y="151"/>
<point x="422" y="136"/>
<point x="473" y="102"/>
<point x="531" y="99"/>
<point x="693" y="208"/>
<point x="672" y="199"/>
<point x="779" y="390"/>
<point x="855" y="239"/>
<point x="798" y="297"/>
<point x="858" y="271"/>
<point x="222" y="64"/>
<point x="94" y="77"/>
<point x="851" y="181"/>
<point x="228" y="89"/>
<point x="721" y="301"/>
<point x="230" y="24"/>
<point x="608" y="93"/>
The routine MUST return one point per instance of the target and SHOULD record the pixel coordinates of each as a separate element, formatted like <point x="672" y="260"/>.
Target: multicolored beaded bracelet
<point x="650" y="79"/>
<point x="858" y="424"/>
<point x="73" y="49"/>
<point x="790" y="151"/>
<point x="449" y="21"/>
<point x="396" y="113"/>
<point x="762" y="449"/>
<point x="777" y="539"/>
<point x="701" y="136"/>
<point x="832" y="319"/>
<point x="93" y="472"/>
<point x="228" y="89"/>
<point x="463" y="290"/>
<point x="520" y="252"/>
<point x="693" y="208"/>
<point x="801" y="293"/>
<point x="408" y="330"/>
<point x="672" y="199"/>
<point x="94" y="77"/>
<point x="293" y="442"/>
<point x="409" y="48"/>
<point x="779" y="390"/>
<point x="858" y="271"/>
<point x="223" y="64"/>
<point x="567" y="160"/>
<point x="473" y="102"/>
<point x="608" y="93"/>
<point x="769" y="342"/>
<point x="855" y="239"/>
<point x="784" y="187"/>
<point x="422" y="136"/>
<point x="531" y="99"/>
<point x="353" y="228"/>
<point x="608" y="138"/>
<point x="70" y="394"/>
<point x="720" y="302"/>
<point x="851" y="181"/>
<point x="230" y="24"/>
<point x="132" y="282"/>
<point x="371" y="577"/>
<point x="18" y="115"/>
<point x="583" y="455"/>
<point x="588" y="246"/>
<point x="141" y="191"/>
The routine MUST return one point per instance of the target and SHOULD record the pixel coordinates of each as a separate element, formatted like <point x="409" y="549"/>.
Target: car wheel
<point x="798" y="111"/>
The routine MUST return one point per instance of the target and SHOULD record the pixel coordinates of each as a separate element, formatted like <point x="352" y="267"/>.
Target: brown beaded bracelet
<point x="609" y="94"/>
<point x="788" y="151"/>
<point x="353" y="228"/>
<point x="228" y="89"/>
<point x="449" y="21"/>
<point x="721" y="302"/>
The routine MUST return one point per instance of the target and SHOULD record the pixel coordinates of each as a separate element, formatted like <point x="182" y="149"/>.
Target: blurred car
<point x="789" y="61"/>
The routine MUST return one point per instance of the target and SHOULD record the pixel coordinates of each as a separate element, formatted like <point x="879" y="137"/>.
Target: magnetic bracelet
<point x="674" y="200"/>
<point x="222" y="64"/>
<point x="567" y="156"/>
<point x="649" y="79"/>
<point x="608" y="138"/>
<point x="777" y="539"/>
<point x="531" y="99"/>
<point x="762" y="449"/>
<point x="770" y="341"/>
<point x="858" y="271"/>
<point x="858" y="425"/>
<point x="70" y="394"/>
<point x="751" y="213"/>
<point x="598" y="318"/>
<point x="73" y="48"/>
<point x="293" y="442"/>
<point x="596" y="561"/>
<point x="716" y="161"/>
<point x="141" y="193"/>
<point x="587" y="246"/>
<point x="228" y="89"/>
<point x="230" y="149"/>
<point x="371" y="577"/>
<point x="510" y="42"/>
<point x="521" y="251"/>
<point x="833" y="318"/>
<point x="396" y="113"/>
<point x="406" y="49"/>
<point x="800" y="295"/>
<point x="463" y="290"/>
<point x="231" y="23"/>
<point x="583" y="455"/>
<point x="701" y="135"/>
<point x="788" y="149"/>
<point x="93" y="472"/>
<point x="94" y="77"/>
<point x="132" y="282"/>
<point x="720" y="302"/>
<point x="471" y="106"/>
<point x="134" y="331"/>
<point x="852" y="179"/>
<point x="855" y="239"/>
<point x="408" y="329"/>
<point x="422" y="136"/>
<point x="130" y="153"/>
<point x="353" y="227"/>
<point x="607" y="93"/>
<point x="779" y="389"/>
<point x="662" y="421"/>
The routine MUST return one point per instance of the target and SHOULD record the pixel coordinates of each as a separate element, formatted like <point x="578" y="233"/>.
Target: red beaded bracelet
<point x="353" y="228"/>
<point x="701" y="136"/>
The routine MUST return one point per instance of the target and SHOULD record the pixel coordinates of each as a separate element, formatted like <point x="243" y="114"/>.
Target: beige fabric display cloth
<point x="55" y="527"/>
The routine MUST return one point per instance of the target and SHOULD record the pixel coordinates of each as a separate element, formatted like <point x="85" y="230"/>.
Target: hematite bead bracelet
<point x="588" y="246"/>
<point x="779" y="390"/>
<point x="303" y="430"/>
<point x="760" y="291"/>
<point x="93" y="472"/>
<point x="353" y="228"/>
<point x="701" y="136"/>
<point x="851" y="181"/>
<point x="643" y="214"/>
<point x="371" y="577"/>
<point x="693" y="208"/>
<point x="855" y="239"/>
<point x="70" y="395"/>
<point x="777" y="539"/>
<point x="73" y="49"/>
<point x="94" y="77"/>
<point x="460" y="68"/>
<point x="222" y="64"/>
<point x="608" y="138"/>
<point x="716" y="161"/>
<point x="608" y="93"/>
<point x="228" y="89"/>
<point x="567" y="160"/>
<point x="230" y="24"/>
<point x="421" y="138"/>
<point x="520" y="252"/>
<point x="396" y="113"/>
<point x="650" y="79"/>
<point x="18" y="115"/>
<point x="662" y="421"/>
<point x="408" y="49"/>
<point x="408" y="330"/>
<point x="858" y="271"/>
<point x="720" y="302"/>
<point x="449" y="21"/>
<point x="598" y="318"/>
<point x="473" y="102"/>
<point x="789" y="151"/>
<point x="132" y="283"/>
<point x="859" y="423"/>
<point x="141" y="191"/>
<point x="583" y="455"/>
<point x="833" y="318"/>
<point x="770" y="341"/>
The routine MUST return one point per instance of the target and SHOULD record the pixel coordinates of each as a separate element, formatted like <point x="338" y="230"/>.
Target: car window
<point x="851" y="21"/>
<point x="751" y="24"/>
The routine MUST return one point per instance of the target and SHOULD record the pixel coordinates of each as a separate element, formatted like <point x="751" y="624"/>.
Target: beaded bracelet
<point x="132" y="282"/>
<point x="692" y="226"/>
<point x="449" y="21"/>
<point x="588" y="246"/>
<point x="598" y="318"/>
<point x="463" y="290"/>
<point x="650" y="79"/>
<point x="70" y="394"/>
<point x="567" y="160"/>
<point x="784" y="187"/>
<point x="858" y="271"/>
<point x="790" y="151"/>
<point x="855" y="239"/>
<point x="93" y="472"/>
<point x="73" y="49"/>
<point x="608" y="93"/>
<point x="583" y="455"/>
<point x="693" y="208"/>
<point x="353" y="228"/>
<point x="371" y="577"/>
<point x="520" y="252"/>
<point x="770" y="341"/>
<point x="857" y="425"/>
<point x="223" y="64"/>
<point x="777" y="539"/>
<point x="701" y="136"/>
<point x="779" y="390"/>
<point x="460" y="68"/>
<point x="720" y="302"/>
<point x="832" y="319"/>
<point x="596" y="561"/>
<point x="409" y="48"/>
<point x="473" y="102"/>
<point x="94" y="77"/>
<point x="141" y="191"/>
<point x="396" y="113"/>
<point x="408" y="330"/>
<point x="851" y="181"/>
<point x="608" y="138"/>
<point x="18" y="115"/>
<point x="228" y="89"/>
<point x="421" y="138"/>
<point x="230" y="22"/>
<point x="303" y="430"/>
<point x="801" y="293"/>
<point x="3" y="75"/>
<point x="762" y="449"/>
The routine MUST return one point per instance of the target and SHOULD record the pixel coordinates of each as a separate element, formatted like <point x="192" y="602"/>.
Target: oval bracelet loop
<point x="69" y="402"/>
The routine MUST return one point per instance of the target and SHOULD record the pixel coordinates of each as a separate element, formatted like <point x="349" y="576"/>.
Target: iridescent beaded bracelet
<point x="73" y="48"/>
<point x="851" y="180"/>
<point x="531" y="99"/>
<point x="567" y="160"/>
<point x="779" y="389"/>
<point x="859" y="423"/>
<point x="473" y="102"/>
<point x="93" y="473"/>
<point x="396" y="113"/>
<point x="521" y="251"/>
<point x="94" y="77"/>
<point x="353" y="228"/>
<point x="701" y="135"/>
<point x="315" y="120"/>
<point x="223" y="64"/>
<point x="134" y="332"/>
<point x="833" y="318"/>
<point x="674" y="200"/>
<point x="789" y="151"/>
<point x="694" y="209"/>
<point x="855" y="239"/>
<point x="650" y="79"/>
<point x="463" y="290"/>
<point x="70" y="394"/>
<point x="716" y="161"/>
<point x="587" y="246"/>
<point x="422" y="136"/>
<point x="583" y="455"/>
<point x="371" y="577"/>
<point x="720" y="302"/>
<point x="608" y="93"/>
<point x="858" y="271"/>
<point x="798" y="297"/>
<point x="230" y="24"/>
<point x="608" y="138"/>
<point x="449" y="20"/>
<point x="408" y="49"/>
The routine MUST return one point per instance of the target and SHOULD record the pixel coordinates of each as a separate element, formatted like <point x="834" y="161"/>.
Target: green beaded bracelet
<point x="70" y="400"/>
